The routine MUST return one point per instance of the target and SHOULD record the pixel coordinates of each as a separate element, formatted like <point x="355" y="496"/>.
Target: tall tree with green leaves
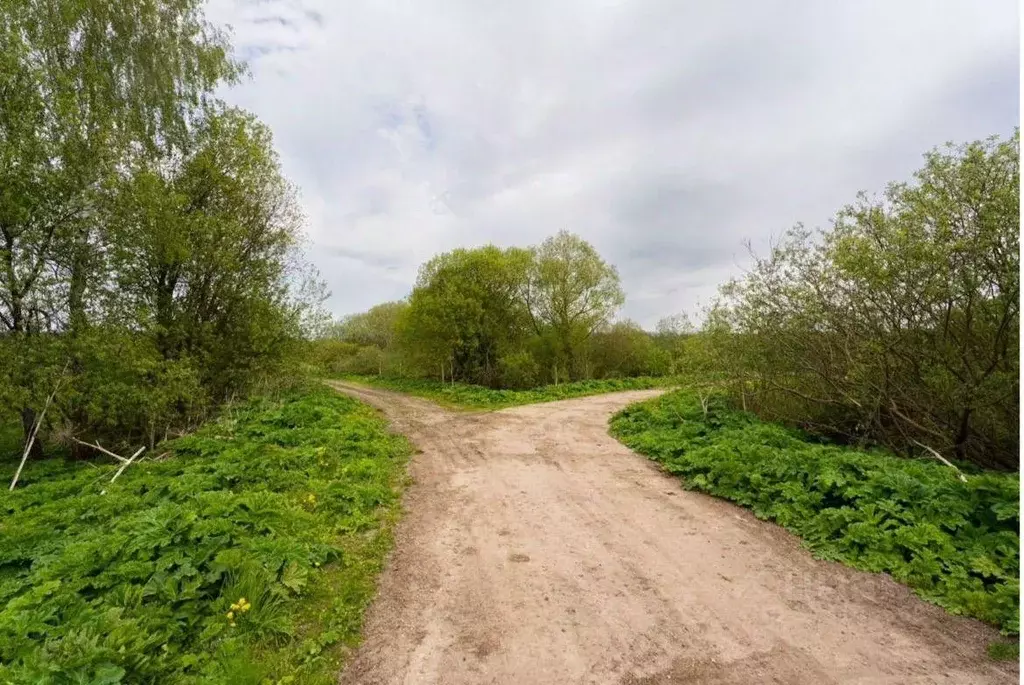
<point x="201" y="248"/>
<point x="571" y="292"/>
<point x="467" y="311"/>
<point x="84" y="85"/>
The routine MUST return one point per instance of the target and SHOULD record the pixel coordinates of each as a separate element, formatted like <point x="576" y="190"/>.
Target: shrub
<point x="519" y="370"/>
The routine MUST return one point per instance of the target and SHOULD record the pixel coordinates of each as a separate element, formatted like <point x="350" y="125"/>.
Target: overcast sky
<point x="666" y="132"/>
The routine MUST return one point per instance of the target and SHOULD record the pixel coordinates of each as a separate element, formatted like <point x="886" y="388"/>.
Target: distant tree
<point x="675" y="326"/>
<point x="571" y="292"/>
<point x="671" y="333"/>
<point x="467" y="311"/>
<point x="378" y="327"/>
<point x="624" y="349"/>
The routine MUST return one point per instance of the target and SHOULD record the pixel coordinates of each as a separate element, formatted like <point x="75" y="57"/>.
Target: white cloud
<point x="665" y="133"/>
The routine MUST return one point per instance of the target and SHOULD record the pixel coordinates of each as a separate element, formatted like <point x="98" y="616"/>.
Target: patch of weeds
<point x="249" y="556"/>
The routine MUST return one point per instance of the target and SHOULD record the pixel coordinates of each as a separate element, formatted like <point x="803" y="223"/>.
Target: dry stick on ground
<point x="128" y="463"/>
<point x="101" y="449"/>
<point x="945" y="461"/>
<point x="35" y="428"/>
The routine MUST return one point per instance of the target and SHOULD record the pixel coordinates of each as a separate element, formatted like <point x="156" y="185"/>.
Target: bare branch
<point x="100" y="448"/>
<point x="938" y="456"/>
<point x="35" y="428"/>
<point x="128" y="463"/>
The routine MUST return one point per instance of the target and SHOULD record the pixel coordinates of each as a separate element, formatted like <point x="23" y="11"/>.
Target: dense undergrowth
<point x="465" y="396"/>
<point x="955" y="543"/>
<point x="283" y="508"/>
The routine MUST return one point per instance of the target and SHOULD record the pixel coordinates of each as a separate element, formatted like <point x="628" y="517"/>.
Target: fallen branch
<point x="128" y="463"/>
<point x="941" y="458"/>
<point x="101" y="449"/>
<point x="35" y="428"/>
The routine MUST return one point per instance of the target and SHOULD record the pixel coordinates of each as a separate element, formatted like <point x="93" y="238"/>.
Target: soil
<point x="537" y="549"/>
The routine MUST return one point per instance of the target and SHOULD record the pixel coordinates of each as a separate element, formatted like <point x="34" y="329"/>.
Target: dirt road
<point x="537" y="549"/>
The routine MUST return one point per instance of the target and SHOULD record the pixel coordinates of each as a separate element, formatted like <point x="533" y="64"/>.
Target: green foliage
<point x="286" y="503"/>
<point x="901" y="323"/>
<point x="625" y="350"/>
<point x="147" y="237"/>
<point x="503" y="318"/>
<point x="519" y="370"/>
<point x="467" y="311"/>
<point x="377" y="327"/>
<point x="122" y="386"/>
<point x="465" y="396"/>
<point x="956" y="544"/>
<point x="571" y="293"/>
<point x="1004" y="651"/>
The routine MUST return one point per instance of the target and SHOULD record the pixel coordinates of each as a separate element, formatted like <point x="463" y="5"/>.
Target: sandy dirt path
<point x="536" y="549"/>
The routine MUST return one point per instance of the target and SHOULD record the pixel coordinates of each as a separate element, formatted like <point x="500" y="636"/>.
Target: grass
<point x="955" y="543"/>
<point x="1004" y="651"/>
<point x="465" y="396"/>
<point x="287" y="503"/>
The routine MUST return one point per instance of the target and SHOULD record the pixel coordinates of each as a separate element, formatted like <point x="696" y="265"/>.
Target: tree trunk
<point x="76" y="287"/>
<point x="963" y="434"/>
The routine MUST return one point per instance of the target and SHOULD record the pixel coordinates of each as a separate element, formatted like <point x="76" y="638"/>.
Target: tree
<point x="83" y="87"/>
<point x="201" y="250"/>
<point x="378" y="328"/>
<point x="467" y="311"/>
<point x="675" y="326"/>
<point x="624" y="349"/>
<point x="671" y="333"/>
<point x="901" y="324"/>
<point x="571" y="292"/>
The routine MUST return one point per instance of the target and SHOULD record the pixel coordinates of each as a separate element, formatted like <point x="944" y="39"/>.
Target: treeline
<point x="897" y="326"/>
<point x="148" y="242"/>
<point x="900" y="325"/>
<point x="504" y="318"/>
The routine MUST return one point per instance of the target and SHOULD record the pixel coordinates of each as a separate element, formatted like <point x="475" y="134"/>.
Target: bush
<point x="955" y="543"/>
<point x="900" y="324"/>
<point x="519" y="370"/>
<point x="284" y="503"/>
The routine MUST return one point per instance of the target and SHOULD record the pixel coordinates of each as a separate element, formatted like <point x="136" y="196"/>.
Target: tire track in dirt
<point x="537" y="549"/>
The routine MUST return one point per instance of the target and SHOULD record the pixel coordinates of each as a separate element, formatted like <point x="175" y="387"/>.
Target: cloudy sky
<point x="664" y="132"/>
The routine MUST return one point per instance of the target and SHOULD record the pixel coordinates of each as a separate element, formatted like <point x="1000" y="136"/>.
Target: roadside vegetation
<point x="464" y="396"/>
<point x="899" y="325"/>
<point x="953" y="540"/>
<point x="152" y="281"/>
<point x="246" y="553"/>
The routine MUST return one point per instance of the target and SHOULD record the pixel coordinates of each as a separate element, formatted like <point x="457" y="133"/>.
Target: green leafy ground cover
<point x="956" y="544"/>
<point x="464" y="396"/>
<point x="286" y="504"/>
